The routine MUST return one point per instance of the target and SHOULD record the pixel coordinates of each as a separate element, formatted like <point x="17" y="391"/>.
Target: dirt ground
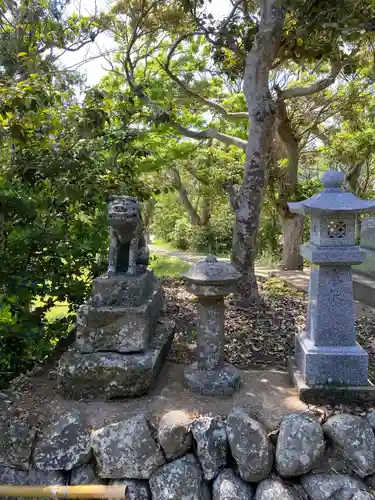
<point x="256" y="340"/>
<point x="262" y="337"/>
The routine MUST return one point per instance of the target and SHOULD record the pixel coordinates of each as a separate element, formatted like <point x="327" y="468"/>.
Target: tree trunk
<point x="293" y="229"/>
<point x="248" y="201"/>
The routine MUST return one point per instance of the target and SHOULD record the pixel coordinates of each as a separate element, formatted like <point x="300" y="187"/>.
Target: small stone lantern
<point x="327" y="356"/>
<point x="211" y="280"/>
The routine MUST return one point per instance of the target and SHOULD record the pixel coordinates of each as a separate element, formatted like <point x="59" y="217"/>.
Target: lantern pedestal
<point x="329" y="394"/>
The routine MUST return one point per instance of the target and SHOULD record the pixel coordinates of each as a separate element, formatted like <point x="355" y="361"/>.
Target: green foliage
<point x="171" y="224"/>
<point x="59" y="162"/>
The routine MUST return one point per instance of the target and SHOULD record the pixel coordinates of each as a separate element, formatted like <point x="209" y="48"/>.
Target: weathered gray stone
<point x="363" y="495"/>
<point x="371" y="419"/>
<point x="211" y="281"/>
<point x="122" y="290"/>
<point x="222" y="382"/>
<point x="117" y="328"/>
<point x="179" y="480"/>
<point x="367" y="268"/>
<point x="174" y="433"/>
<point x="115" y="375"/>
<point x="35" y="477"/>
<point x="128" y="252"/>
<point x="212" y="444"/>
<point x="126" y="449"/>
<point x="84" y="474"/>
<point x="135" y="488"/>
<point x="355" y="440"/>
<point x="16" y="442"/>
<point x="65" y="444"/>
<point x="330" y="486"/>
<point x="250" y="446"/>
<point x="274" y="489"/>
<point x="227" y="486"/>
<point x="300" y="445"/>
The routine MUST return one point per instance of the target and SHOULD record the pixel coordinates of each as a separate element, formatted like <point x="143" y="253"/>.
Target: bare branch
<point x="175" y="178"/>
<point x="210" y="133"/>
<point x="232" y="195"/>
<point x="315" y="87"/>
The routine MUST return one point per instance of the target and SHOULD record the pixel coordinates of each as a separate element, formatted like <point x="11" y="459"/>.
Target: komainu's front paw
<point x="132" y="271"/>
<point x="111" y="272"/>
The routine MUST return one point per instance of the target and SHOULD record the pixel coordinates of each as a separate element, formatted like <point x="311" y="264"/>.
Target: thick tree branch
<point x="286" y="133"/>
<point x="210" y="133"/>
<point x="175" y="178"/>
<point x="315" y="87"/>
<point x="232" y="195"/>
<point x="211" y="104"/>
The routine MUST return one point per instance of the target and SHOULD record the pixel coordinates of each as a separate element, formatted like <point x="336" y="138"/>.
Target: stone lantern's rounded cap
<point x="211" y="271"/>
<point x="332" y="198"/>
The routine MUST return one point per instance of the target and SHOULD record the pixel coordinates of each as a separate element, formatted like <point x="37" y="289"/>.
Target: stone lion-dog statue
<point x="128" y="252"/>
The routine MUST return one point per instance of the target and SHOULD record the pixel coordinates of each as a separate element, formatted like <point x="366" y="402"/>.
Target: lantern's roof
<point x="332" y="198"/>
<point x="210" y="270"/>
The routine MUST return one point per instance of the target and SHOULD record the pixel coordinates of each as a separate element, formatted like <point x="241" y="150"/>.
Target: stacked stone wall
<point x="186" y="458"/>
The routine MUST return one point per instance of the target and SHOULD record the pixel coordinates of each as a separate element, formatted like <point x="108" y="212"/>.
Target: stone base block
<point x="112" y="375"/>
<point x="223" y="382"/>
<point x="122" y="290"/>
<point x="114" y="328"/>
<point x="329" y="394"/>
<point x="345" y="366"/>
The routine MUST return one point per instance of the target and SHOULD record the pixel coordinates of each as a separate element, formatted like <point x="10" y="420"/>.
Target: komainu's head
<point x="123" y="210"/>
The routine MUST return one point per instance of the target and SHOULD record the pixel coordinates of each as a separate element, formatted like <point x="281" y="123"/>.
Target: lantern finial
<point x="333" y="179"/>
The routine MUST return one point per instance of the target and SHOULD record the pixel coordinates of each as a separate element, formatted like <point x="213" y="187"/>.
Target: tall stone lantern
<point x="210" y="281"/>
<point x="329" y="365"/>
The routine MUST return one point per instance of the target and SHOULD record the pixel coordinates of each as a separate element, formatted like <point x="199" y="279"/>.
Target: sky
<point x="95" y="69"/>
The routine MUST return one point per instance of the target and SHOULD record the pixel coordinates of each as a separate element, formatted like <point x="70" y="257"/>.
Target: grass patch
<point x="276" y="288"/>
<point x="163" y="244"/>
<point x="168" y="266"/>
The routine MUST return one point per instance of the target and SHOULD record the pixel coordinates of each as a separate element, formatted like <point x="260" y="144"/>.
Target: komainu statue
<point x="128" y="252"/>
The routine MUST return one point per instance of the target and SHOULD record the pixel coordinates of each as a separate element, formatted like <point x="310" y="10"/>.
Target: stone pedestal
<point x="327" y="357"/>
<point x="122" y="339"/>
<point x="211" y="281"/>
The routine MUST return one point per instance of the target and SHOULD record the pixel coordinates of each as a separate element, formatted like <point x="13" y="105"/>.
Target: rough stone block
<point x="174" y="433"/>
<point x="354" y="439"/>
<point x="115" y="328"/>
<point x="250" y="446"/>
<point x="65" y="444"/>
<point x="122" y="290"/>
<point x="211" y="445"/>
<point x="300" y="445"/>
<point x="16" y="442"/>
<point x="179" y="480"/>
<point x="115" y="375"/>
<point x="127" y="449"/>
